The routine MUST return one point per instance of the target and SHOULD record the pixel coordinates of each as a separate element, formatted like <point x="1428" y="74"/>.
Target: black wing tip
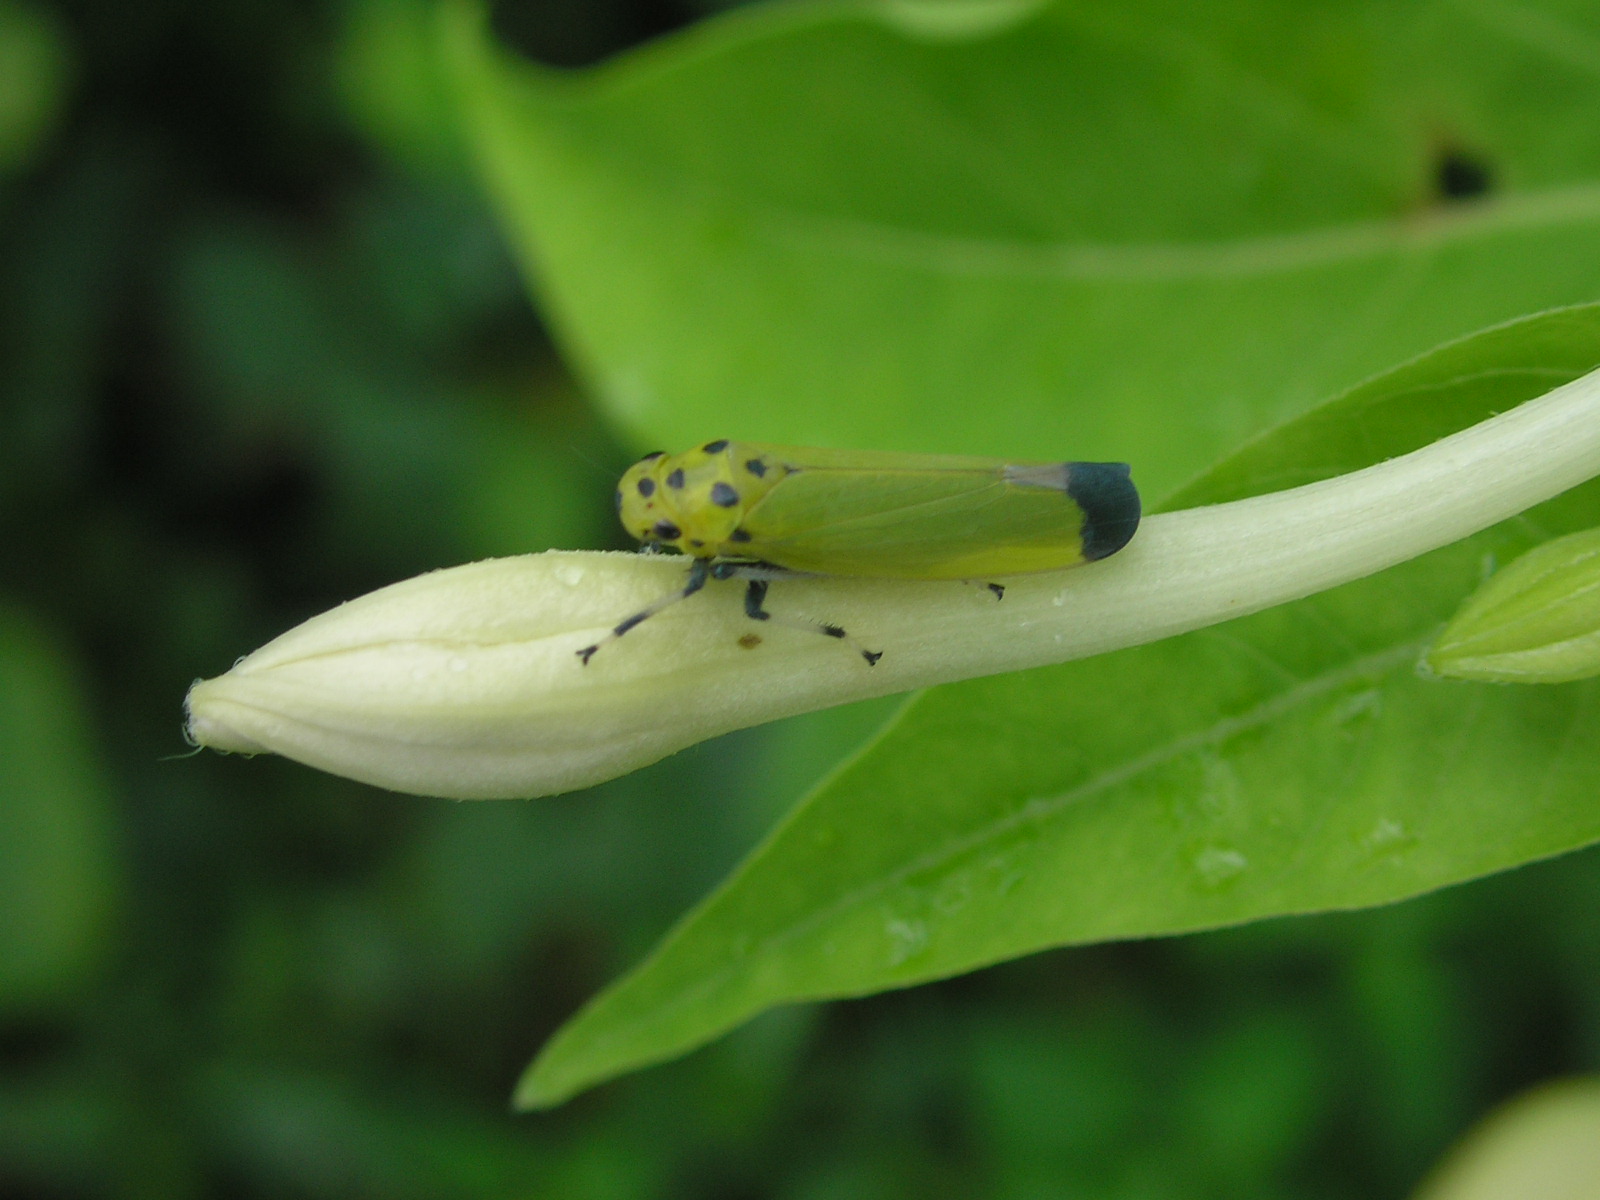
<point x="1110" y="505"/>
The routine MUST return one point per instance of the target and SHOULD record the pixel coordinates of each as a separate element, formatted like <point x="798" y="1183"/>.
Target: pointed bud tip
<point x="207" y="721"/>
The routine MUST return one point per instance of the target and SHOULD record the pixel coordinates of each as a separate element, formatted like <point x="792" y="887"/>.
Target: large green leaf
<point x="1288" y="762"/>
<point x="1139" y="231"/>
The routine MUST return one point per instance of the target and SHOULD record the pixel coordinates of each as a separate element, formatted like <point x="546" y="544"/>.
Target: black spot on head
<point x="653" y="455"/>
<point x="756" y="467"/>
<point x="647" y="487"/>
<point x="723" y="495"/>
<point x="715" y="447"/>
<point x="667" y="531"/>
<point x="739" y="535"/>
<point x="1462" y="176"/>
<point x="675" y="480"/>
<point x="1110" y="505"/>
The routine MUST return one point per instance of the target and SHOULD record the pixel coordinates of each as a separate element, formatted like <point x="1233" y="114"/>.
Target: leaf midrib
<point x="1168" y="261"/>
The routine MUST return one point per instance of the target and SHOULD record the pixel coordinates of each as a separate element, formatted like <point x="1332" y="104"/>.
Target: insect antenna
<point x="601" y="469"/>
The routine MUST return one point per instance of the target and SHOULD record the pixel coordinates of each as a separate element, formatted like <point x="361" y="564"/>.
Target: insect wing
<point x="955" y="519"/>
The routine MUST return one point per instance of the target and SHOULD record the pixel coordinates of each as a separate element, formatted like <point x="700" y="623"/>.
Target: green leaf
<point x="58" y="863"/>
<point x="1288" y="762"/>
<point x="1141" y="231"/>
<point x="1537" y="621"/>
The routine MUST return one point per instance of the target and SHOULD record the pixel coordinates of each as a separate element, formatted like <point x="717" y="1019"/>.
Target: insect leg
<point x="699" y="572"/>
<point x="997" y="589"/>
<point x="754" y="597"/>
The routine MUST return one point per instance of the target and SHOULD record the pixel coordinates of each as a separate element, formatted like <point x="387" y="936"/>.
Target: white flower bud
<point x="467" y="683"/>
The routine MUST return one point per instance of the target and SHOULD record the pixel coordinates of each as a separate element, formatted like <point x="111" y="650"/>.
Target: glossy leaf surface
<point x="1288" y="762"/>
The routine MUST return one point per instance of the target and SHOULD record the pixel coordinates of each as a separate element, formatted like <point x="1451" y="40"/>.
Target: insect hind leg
<point x="699" y="572"/>
<point x="755" y="596"/>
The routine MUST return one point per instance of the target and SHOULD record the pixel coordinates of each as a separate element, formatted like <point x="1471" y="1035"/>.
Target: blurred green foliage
<point x="33" y="79"/>
<point x="260" y="350"/>
<point x="60" y="865"/>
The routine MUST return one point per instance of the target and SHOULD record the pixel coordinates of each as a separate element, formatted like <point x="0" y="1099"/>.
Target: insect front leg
<point x="755" y="596"/>
<point x="699" y="572"/>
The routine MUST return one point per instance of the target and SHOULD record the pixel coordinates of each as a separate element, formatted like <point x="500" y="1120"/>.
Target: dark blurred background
<point x="261" y="350"/>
